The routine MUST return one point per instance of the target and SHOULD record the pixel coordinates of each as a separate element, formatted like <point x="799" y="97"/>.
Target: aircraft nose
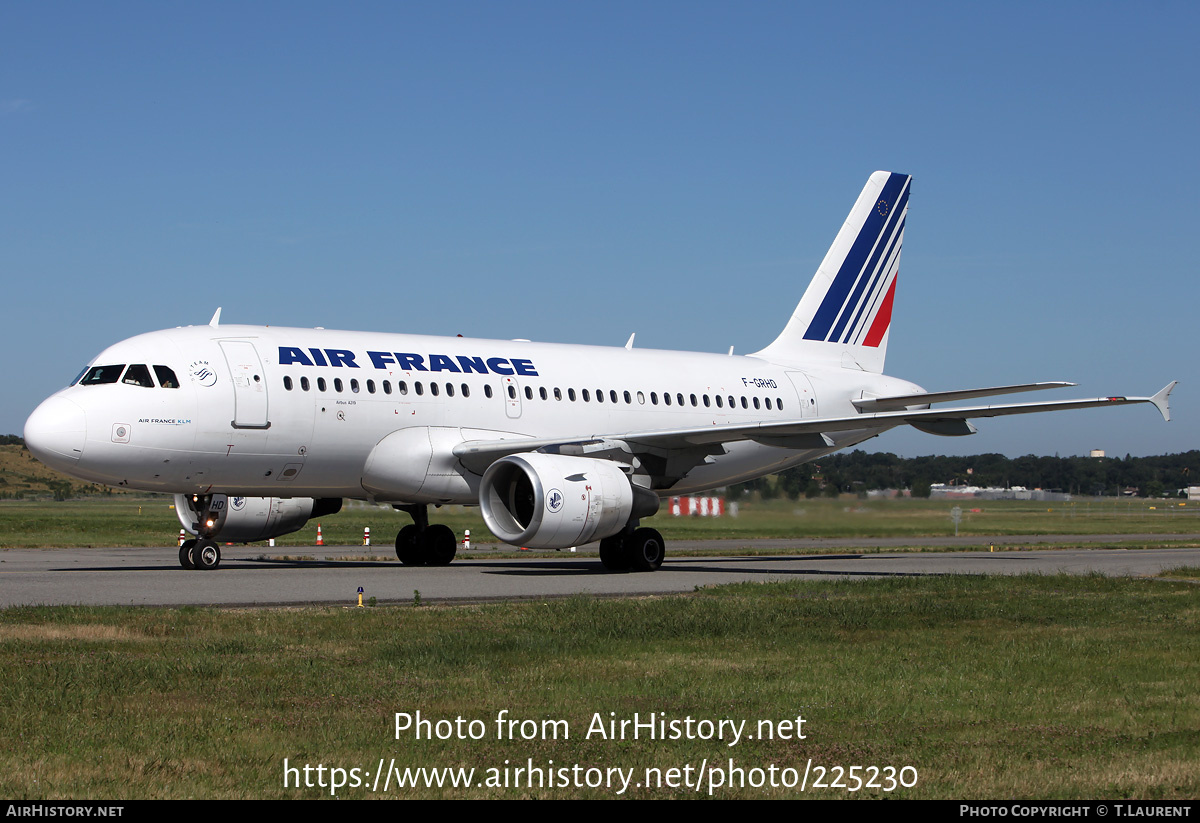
<point x="56" y="431"/>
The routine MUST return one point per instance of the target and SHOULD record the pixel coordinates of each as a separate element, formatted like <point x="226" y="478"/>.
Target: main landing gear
<point x="420" y="544"/>
<point x="200" y="554"/>
<point x="638" y="549"/>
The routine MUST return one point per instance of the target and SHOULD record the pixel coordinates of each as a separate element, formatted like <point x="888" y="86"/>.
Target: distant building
<point x="1096" y="453"/>
<point x="943" y="490"/>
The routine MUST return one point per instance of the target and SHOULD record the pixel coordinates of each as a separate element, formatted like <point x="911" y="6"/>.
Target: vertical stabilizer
<point x="846" y="312"/>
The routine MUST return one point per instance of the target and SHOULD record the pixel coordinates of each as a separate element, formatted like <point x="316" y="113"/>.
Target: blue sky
<point x="578" y="171"/>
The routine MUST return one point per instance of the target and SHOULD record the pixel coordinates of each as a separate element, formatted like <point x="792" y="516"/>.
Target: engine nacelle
<point x="246" y="519"/>
<point x="553" y="501"/>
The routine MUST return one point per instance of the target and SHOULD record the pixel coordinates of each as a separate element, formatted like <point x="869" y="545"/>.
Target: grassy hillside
<point x="23" y="476"/>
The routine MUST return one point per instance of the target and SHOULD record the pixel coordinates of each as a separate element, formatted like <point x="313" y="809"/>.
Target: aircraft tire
<point x="408" y="546"/>
<point x="614" y="554"/>
<point x="646" y="550"/>
<point x="185" y="554"/>
<point x="439" y="544"/>
<point x="206" y="555"/>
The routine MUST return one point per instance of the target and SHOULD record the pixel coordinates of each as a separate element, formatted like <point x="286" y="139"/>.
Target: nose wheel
<point x="200" y="554"/>
<point x="185" y="554"/>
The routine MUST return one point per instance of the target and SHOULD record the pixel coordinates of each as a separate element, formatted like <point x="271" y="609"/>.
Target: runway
<point x="152" y="577"/>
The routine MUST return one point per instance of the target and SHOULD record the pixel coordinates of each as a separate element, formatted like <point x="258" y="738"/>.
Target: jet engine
<point x="552" y="501"/>
<point x="246" y="519"/>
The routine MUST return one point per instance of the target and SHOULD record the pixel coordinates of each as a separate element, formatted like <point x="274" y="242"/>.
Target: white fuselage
<point x="286" y="412"/>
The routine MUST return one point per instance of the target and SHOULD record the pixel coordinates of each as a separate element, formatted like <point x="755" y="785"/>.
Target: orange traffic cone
<point x="320" y="540"/>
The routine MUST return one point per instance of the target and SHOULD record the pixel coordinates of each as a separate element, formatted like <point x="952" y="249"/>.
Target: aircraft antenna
<point x="216" y="321"/>
<point x="629" y="342"/>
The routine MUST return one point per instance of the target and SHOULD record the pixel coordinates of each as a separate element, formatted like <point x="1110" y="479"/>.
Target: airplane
<point x="256" y="429"/>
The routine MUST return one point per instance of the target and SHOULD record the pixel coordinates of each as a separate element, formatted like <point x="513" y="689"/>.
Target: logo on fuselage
<point x="202" y="374"/>
<point x="407" y="361"/>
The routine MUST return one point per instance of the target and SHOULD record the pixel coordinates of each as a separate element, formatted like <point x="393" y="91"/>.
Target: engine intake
<point x="552" y="501"/>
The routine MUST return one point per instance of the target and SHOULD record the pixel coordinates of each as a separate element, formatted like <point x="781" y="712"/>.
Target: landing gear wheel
<point x="206" y="555"/>
<point x="408" y="546"/>
<point x="613" y="554"/>
<point x="439" y="544"/>
<point x="646" y="550"/>
<point x="185" y="554"/>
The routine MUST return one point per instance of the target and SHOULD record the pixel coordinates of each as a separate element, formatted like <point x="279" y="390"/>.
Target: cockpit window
<point x="138" y="375"/>
<point x="166" y="377"/>
<point x="98" y="375"/>
<point x="78" y="376"/>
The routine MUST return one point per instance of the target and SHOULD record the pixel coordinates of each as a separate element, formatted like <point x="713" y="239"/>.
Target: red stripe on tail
<point x="883" y="319"/>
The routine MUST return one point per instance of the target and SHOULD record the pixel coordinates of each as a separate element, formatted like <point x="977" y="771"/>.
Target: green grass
<point x="1182" y="573"/>
<point x="1033" y="687"/>
<point x="151" y="521"/>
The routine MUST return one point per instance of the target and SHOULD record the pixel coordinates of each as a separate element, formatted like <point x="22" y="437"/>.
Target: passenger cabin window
<point x="166" y="377"/>
<point x="287" y="382"/>
<point x="99" y="375"/>
<point x="138" y="375"/>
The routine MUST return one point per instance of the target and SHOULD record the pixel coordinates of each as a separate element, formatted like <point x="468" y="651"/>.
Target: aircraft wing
<point x="900" y="401"/>
<point x="811" y="433"/>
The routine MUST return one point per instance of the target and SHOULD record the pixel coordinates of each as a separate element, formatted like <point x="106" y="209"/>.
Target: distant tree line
<point x="11" y="440"/>
<point x="859" y="471"/>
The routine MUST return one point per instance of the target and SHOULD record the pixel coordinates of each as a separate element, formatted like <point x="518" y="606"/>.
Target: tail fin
<point x="845" y="313"/>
